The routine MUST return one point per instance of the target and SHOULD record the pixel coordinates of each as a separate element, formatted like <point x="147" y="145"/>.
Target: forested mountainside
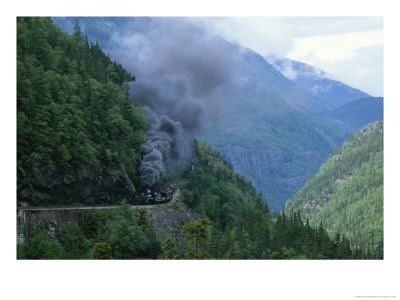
<point x="270" y="129"/>
<point x="346" y="194"/>
<point x="241" y="224"/>
<point x="78" y="133"/>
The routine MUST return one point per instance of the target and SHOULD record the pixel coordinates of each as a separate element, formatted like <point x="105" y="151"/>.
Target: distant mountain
<point x="278" y="133"/>
<point x="259" y="71"/>
<point x="346" y="194"/>
<point x="316" y="81"/>
<point x="359" y="112"/>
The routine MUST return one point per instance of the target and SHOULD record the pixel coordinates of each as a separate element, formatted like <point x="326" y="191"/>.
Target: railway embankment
<point x="165" y="218"/>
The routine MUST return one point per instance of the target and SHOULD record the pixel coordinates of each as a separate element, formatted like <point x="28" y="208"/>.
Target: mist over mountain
<point x="316" y="81"/>
<point x="274" y="128"/>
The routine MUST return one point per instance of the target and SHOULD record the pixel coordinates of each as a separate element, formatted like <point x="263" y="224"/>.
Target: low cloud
<point x="332" y="44"/>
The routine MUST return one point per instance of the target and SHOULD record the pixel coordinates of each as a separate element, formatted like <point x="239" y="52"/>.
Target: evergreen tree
<point x="169" y="250"/>
<point x="101" y="251"/>
<point x="77" y="31"/>
<point x="196" y="232"/>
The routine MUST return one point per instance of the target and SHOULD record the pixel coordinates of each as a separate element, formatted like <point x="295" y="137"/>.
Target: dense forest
<point x="78" y="137"/>
<point x="236" y="224"/>
<point x="346" y="194"/>
<point x="78" y="133"/>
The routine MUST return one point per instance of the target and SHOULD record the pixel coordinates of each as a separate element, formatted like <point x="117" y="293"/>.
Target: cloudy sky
<point x="350" y="49"/>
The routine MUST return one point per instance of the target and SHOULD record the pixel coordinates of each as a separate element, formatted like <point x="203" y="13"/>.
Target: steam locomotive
<point x="163" y="196"/>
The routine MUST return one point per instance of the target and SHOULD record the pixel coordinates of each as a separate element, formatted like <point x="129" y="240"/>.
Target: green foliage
<point x="229" y="201"/>
<point x="130" y="236"/>
<point x="73" y="112"/>
<point x="101" y="251"/>
<point x="40" y="245"/>
<point x="122" y="234"/>
<point x="74" y="242"/>
<point x="347" y="192"/>
<point x="275" y="255"/>
<point x="93" y="223"/>
<point x="169" y="250"/>
<point x="294" y="239"/>
<point x="196" y="232"/>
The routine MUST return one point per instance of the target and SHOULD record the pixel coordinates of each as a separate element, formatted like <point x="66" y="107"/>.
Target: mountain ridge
<point x="320" y="84"/>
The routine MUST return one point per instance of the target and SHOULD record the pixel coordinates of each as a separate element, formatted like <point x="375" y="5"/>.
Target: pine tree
<point x="77" y="31"/>
<point x="196" y="232"/>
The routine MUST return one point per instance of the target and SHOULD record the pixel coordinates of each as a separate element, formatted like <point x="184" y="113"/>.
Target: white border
<point x="195" y="279"/>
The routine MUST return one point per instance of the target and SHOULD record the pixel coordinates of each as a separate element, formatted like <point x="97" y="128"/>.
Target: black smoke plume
<point x="168" y="142"/>
<point x="180" y="69"/>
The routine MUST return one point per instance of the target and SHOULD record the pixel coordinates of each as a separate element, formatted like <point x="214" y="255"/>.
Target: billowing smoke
<point x="180" y="71"/>
<point x="168" y="142"/>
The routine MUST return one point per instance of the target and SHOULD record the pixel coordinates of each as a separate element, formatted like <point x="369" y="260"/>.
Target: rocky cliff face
<point x="268" y="170"/>
<point x="169" y="218"/>
<point x="47" y="186"/>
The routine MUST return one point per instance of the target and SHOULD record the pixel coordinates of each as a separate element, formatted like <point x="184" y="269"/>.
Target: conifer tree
<point x="196" y="232"/>
<point x="77" y="31"/>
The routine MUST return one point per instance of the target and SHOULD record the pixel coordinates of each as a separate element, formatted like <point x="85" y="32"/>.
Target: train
<point x="164" y="196"/>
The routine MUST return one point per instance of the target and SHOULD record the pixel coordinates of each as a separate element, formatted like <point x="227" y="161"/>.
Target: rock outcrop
<point x="47" y="186"/>
<point x="169" y="218"/>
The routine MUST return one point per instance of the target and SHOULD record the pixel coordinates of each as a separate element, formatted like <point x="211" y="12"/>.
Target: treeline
<point x="75" y="122"/>
<point x="294" y="239"/>
<point x="126" y="234"/>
